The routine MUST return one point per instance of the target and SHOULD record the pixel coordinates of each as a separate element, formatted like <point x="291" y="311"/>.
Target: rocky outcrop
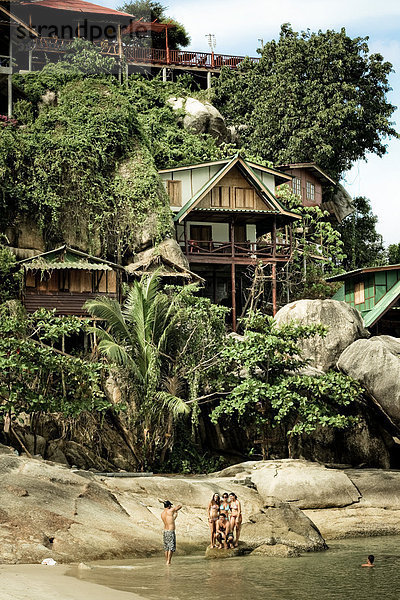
<point x="203" y="117"/>
<point x="344" y="324"/>
<point x="51" y="511"/>
<point x="375" y="363"/>
<point x="340" y="502"/>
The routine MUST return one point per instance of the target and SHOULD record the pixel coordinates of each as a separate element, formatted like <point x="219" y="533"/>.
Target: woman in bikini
<point x="224" y="506"/>
<point x="235" y="516"/>
<point x="213" y="514"/>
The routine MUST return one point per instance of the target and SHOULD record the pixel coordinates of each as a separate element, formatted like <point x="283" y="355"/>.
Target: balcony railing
<point x="249" y="250"/>
<point x="141" y="55"/>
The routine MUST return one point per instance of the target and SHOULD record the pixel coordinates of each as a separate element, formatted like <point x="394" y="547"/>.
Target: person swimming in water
<point x="370" y="561"/>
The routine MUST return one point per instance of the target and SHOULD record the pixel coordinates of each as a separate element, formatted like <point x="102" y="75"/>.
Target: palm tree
<point x="137" y="338"/>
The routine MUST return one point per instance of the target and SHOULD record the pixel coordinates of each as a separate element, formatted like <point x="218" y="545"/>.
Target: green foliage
<point x="318" y="252"/>
<point x="82" y="167"/>
<point x="148" y="11"/>
<point x="266" y="389"/>
<point x="363" y="245"/>
<point x="34" y="377"/>
<point x="393" y="252"/>
<point x="312" y="97"/>
<point x="10" y="279"/>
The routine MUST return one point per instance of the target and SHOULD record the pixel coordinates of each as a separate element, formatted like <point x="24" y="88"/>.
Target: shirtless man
<point x="168" y="517"/>
<point x="224" y="535"/>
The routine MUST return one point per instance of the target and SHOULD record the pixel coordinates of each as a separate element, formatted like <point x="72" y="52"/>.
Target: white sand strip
<point x="37" y="582"/>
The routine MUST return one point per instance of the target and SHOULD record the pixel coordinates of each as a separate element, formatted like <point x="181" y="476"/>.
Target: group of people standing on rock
<point x="224" y="517"/>
<point x="225" y="520"/>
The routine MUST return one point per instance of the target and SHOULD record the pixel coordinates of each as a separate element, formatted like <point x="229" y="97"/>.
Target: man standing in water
<point x="168" y="517"/>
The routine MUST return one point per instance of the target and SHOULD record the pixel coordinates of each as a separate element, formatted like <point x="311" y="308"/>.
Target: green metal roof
<point x="43" y="265"/>
<point x="382" y="306"/>
<point x="66" y="257"/>
<point x="224" y="169"/>
<point x="203" y="189"/>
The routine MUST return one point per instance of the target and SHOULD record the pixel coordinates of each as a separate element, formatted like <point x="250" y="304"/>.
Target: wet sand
<point x="39" y="582"/>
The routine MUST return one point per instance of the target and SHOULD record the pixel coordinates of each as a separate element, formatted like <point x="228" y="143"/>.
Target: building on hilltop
<point x="375" y="292"/>
<point x="227" y="220"/>
<point x="316" y="188"/>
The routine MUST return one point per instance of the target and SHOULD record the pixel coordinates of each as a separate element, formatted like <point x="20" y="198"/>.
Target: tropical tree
<point x="312" y="97"/>
<point x="363" y="245"/>
<point x="148" y="11"/>
<point x="36" y="377"/>
<point x="138" y="338"/>
<point x="393" y="252"/>
<point x="266" y="388"/>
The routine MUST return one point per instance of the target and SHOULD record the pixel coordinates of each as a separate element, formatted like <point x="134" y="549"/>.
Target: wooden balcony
<point x="235" y="252"/>
<point x="148" y="56"/>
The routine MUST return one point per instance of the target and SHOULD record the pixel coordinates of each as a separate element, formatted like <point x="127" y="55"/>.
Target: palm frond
<point x="176" y="406"/>
<point x="109" y="310"/>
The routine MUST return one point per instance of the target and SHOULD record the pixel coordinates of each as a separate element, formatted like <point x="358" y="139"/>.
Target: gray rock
<point x="375" y="363"/>
<point x="282" y="524"/>
<point x="344" y="323"/>
<point x="304" y="484"/>
<point x="203" y="117"/>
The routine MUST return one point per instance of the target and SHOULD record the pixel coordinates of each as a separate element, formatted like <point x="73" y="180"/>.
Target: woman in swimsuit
<point x="213" y="513"/>
<point x="236" y="515"/>
<point x="224" y="506"/>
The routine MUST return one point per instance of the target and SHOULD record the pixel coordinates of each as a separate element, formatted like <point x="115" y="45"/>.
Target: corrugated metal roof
<point x="388" y="300"/>
<point x="65" y="254"/>
<point x="42" y="265"/>
<point x="351" y="274"/>
<point x="77" y="6"/>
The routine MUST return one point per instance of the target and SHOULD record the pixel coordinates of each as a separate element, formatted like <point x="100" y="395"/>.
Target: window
<point x="359" y="295"/>
<point x="310" y="191"/>
<point x="174" y="190"/>
<point x="220" y="197"/>
<point x="296" y="186"/>
<point x="244" y="198"/>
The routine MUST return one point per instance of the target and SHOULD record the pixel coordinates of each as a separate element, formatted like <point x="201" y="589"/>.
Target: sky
<point x="238" y="28"/>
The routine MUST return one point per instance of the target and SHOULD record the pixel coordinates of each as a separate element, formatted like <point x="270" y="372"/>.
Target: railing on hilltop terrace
<point x="149" y="56"/>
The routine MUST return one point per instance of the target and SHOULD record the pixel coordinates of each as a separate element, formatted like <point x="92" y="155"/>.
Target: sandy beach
<point x="37" y="582"/>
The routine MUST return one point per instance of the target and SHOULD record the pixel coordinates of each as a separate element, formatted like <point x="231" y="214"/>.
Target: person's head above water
<point x="371" y="559"/>
<point x="167" y="504"/>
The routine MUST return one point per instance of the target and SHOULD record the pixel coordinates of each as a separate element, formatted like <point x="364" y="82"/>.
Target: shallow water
<point x="332" y="575"/>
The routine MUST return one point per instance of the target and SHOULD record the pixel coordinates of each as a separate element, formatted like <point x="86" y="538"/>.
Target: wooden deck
<point x="234" y="253"/>
<point x="184" y="59"/>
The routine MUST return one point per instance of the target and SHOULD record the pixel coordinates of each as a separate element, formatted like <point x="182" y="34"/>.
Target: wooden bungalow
<point x="316" y="188"/>
<point x="66" y="278"/>
<point x="227" y="219"/>
<point x="375" y="292"/>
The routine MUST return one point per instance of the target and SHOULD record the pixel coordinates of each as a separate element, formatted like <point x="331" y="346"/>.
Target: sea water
<point x="332" y="575"/>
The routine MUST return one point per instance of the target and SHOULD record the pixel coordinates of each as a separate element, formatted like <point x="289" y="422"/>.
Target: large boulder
<point x="344" y="323"/>
<point x="202" y="117"/>
<point x="282" y="524"/>
<point x="375" y="363"/>
<point x="168" y="249"/>
<point x="304" y="484"/>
